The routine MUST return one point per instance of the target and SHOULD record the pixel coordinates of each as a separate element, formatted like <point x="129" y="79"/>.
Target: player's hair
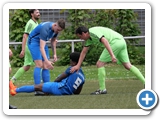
<point x="74" y="56"/>
<point x="81" y="29"/>
<point x="61" y="23"/>
<point x="31" y="11"/>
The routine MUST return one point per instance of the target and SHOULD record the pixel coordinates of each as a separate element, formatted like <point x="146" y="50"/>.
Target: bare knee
<point x="26" y="68"/>
<point x="100" y="64"/>
<point x="127" y="66"/>
<point x="39" y="63"/>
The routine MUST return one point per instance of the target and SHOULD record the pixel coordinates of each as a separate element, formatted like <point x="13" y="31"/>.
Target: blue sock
<point x="27" y="88"/>
<point x="45" y="75"/>
<point x="37" y="75"/>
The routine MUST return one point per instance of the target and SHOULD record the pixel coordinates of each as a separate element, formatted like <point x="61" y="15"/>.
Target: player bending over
<point x="65" y="84"/>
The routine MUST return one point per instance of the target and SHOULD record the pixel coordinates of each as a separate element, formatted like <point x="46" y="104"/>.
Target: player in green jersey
<point x="115" y="51"/>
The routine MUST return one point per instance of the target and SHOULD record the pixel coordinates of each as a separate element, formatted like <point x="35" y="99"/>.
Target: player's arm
<point x="25" y="37"/>
<point x="82" y="56"/>
<point x="42" y="45"/>
<point x="61" y="77"/>
<point x="108" y="47"/>
<point x="53" y="46"/>
<point x="78" y="90"/>
<point x="24" y="40"/>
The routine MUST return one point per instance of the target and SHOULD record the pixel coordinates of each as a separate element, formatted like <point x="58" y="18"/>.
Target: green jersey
<point x="96" y="33"/>
<point x="30" y="26"/>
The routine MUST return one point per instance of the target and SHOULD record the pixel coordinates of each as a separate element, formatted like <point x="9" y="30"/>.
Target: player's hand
<point x="54" y="58"/>
<point x="21" y="55"/>
<point x="48" y="65"/>
<point x="114" y="60"/>
<point x="73" y="69"/>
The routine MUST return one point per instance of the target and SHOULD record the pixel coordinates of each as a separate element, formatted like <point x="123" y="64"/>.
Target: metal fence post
<point x="72" y="46"/>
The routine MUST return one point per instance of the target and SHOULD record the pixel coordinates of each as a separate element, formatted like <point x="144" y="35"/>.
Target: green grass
<point x="122" y="87"/>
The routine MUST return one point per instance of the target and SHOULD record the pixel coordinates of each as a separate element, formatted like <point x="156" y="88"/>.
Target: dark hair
<point x="81" y="29"/>
<point x="31" y="11"/>
<point x="61" y="23"/>
<point x="75" y="56"/>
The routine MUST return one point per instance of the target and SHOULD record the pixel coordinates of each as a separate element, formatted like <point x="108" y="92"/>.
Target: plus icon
<point x="146" y="99"/>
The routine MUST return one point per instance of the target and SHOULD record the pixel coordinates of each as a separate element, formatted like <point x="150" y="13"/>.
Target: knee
<point x="100" y="64"/>
<point x="127" y="66"/>
<point x="39" y="64"/>
<point x="97" y="64"/>
<point x="26" y="68"/>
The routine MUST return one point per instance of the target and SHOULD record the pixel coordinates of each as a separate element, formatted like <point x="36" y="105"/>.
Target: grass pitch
<point x="122" y="87"/>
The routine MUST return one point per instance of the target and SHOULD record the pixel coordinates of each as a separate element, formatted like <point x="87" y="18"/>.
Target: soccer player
<point x="115" y="51"/>
<point x="28" y="61"/>
<point x="65" y="84"/>
<point x="10" y="69"/>
<point x="37" y="39"/>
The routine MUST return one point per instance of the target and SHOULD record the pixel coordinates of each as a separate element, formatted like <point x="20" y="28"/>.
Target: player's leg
<point x="11" y="85"/>
<point x="46" y="72"/>
<point x="26" y="89"/>
<point x="37" y="57"/>
<point x="101" y="73"/>
<point x="104" y="58"/>
<point x="135" y="71"/>
<point x="28" y="61"/>
<point x="52" y="88"/>
<point x="124" y="58"/>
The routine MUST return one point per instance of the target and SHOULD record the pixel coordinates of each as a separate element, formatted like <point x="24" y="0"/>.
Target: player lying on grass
<point x="65" y="84"/>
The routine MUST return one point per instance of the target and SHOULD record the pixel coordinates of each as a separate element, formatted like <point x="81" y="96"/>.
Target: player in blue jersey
<point x="65" y="84"/>
<point x="37" y="39"/>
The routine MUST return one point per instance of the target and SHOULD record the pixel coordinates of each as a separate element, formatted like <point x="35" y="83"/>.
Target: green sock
<point x="101" y="78"/>
<point x="138" y="74"/>
<point x="18" y="74"/>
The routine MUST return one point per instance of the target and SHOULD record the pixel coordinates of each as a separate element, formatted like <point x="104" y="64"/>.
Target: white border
<point x="8" y="6"/>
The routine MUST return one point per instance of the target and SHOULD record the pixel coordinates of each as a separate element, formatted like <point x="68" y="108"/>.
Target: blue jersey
<point x="72" y="82"/>
<point x="67" y="86"/>
<point x="42" y="31"/>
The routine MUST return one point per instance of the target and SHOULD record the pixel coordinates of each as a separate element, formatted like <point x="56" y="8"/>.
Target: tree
<point x="18" y="19"/>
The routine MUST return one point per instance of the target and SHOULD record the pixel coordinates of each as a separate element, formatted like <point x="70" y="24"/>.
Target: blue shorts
<point x="36" y="53"/>
<point x="51" y="88"/>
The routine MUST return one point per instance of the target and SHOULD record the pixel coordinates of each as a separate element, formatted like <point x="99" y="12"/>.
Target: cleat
<point x="12" y="107"/>
<point x="13" y="91"/>
<point x="98" y="92"/>
<point x="11" y="85"/>
<point x="39" y="93"/>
